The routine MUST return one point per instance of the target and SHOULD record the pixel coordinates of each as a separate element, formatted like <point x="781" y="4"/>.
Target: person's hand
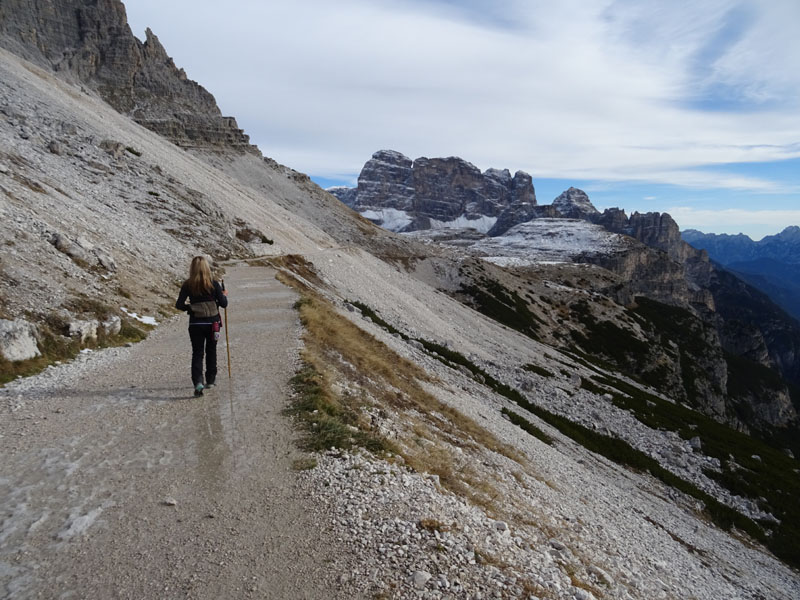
<point x="224" y="292"/>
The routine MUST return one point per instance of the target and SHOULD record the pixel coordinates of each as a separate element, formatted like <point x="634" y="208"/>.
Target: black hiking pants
<point x="203" y="342"/>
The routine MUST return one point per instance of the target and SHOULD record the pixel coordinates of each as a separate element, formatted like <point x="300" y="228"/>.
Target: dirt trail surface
<point x="95" y="452"/>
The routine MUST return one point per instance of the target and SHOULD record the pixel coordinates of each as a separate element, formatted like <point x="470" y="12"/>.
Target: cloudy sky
<point x="678" y="106"/>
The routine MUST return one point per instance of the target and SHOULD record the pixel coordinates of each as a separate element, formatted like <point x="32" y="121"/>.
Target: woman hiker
<point x="205" y="297"/>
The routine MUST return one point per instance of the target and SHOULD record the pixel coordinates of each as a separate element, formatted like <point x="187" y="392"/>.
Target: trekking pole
<point x="227" y="341"/>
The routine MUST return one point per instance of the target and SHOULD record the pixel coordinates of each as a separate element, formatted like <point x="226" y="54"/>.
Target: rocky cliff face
<point x="90" y="42"/>
<point x="437" y="192"/>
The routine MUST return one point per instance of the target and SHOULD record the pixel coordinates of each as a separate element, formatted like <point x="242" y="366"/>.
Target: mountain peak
<point x="574" y="203"/>
<point x="404" y="195"/>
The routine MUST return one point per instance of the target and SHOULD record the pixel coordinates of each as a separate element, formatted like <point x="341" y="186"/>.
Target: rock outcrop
<point x="440" y="192"/>
<point x="575" y="204"/>
<point x="18" y="340"/>
<point x="91" y="43"/>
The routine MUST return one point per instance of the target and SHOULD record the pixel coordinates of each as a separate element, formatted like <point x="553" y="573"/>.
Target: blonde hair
<point x="199" y="281"/>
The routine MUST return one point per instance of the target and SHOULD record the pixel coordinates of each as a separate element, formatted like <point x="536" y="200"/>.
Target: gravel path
<point x="117" y="483"/>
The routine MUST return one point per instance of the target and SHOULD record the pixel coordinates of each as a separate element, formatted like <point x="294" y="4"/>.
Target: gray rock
<point x="440" y="189"/>
<point x="112" y="325"/>
<point x="105" y="260"/>
<point x="69" y="247"/>
<point x="115" y="149"/>
<point x="56" y="147"/>
<point x="575" y="204"/>
<point x="94" y="46"/>
<point x="420" y="578"/>
<point x="18" y="340"/>
<point x="83" y="330"/>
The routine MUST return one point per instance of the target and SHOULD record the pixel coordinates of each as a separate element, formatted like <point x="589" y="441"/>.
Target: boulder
<point x="69" y="247"/>
<point x="105" y="260"/>
<point x="112" y="325"/>
<point x="115" y="149"/>
<point x="18" y="340"/>
<point x="83" y="330"/>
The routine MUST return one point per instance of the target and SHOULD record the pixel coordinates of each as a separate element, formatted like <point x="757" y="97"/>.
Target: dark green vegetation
<point x="538" y="370"/>
<point x="503" y="305"/>
<point x="526" y="425"/>
<point x="617" y="348"/>
<point x="375" y="318"/>
<point x="133" y="151"/>
<point x="327" y="423"/>
<point x="772" y="475"/>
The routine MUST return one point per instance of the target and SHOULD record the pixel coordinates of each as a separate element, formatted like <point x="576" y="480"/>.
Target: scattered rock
<point x="83" y="330"/>
<point x="105" y="260"/>
<point x="170" y="501"/>
<point x="112" y="325"/>
<point x="115" y="149"/>
<point x="56" y="147"/>
<point x="420" y="579"/>
<point x="69" y="247"/>
<point x="18" y="340"/>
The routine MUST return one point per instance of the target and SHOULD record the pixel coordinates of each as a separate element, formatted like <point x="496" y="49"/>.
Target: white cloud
<point x="574" y="89"/>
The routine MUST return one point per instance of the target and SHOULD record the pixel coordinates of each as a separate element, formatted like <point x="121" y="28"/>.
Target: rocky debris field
<point x="564" y="523"/>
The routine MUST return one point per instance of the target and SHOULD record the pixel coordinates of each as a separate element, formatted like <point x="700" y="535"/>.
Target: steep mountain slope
<point x="769" y="265"/>
<point x="488" y="447"/>
<point x="780" y="281"/>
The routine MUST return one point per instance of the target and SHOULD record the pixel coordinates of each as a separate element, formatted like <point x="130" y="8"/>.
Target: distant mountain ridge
<point x="727" y="249"/>
<point x="771" y="264"/>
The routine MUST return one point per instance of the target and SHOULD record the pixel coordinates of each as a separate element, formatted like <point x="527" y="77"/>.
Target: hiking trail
<point x="118" y="483"/>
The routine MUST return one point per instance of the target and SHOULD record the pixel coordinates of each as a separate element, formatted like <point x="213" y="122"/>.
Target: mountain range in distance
<point x="453" y="195"/>
<point x="771" y="264"/>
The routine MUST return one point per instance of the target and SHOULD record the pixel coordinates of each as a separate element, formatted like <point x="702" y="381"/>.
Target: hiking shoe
<point x="210" y="385"/>
<point x="198" y="390"/>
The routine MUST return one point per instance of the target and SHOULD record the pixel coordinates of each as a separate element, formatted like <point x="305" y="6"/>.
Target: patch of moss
<point x="327" y="423"/>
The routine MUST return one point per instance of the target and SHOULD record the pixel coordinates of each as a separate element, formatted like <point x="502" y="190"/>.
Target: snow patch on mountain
<point x="542" y="240"/>
<point x="482" y="224"/>
<point x="388" y="218"/>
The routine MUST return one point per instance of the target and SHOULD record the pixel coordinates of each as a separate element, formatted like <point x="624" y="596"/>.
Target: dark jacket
<point x="215" y="295"/>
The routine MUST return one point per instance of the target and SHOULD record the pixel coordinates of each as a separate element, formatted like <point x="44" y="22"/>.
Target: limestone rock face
<point x="575" y="204"/>
<point x="386" y="181"/>
<point x="18" y="340"/>
<point x="435" y="192"/>
<point x="91" y="43"/>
